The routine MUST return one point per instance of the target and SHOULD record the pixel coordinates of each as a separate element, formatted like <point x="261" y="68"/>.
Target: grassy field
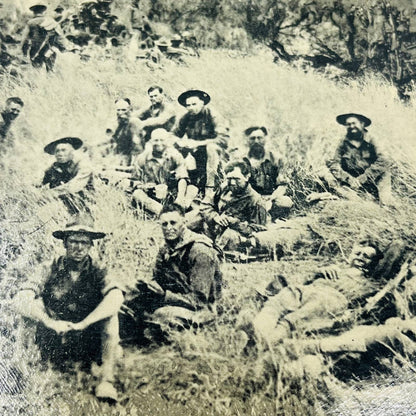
<point x="206" y="373"/>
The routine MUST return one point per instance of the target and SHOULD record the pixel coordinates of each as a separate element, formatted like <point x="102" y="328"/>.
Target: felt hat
<point x="75" y="142"/>
<point x="342" y="118"/>
<point x="79" y="225"/>
<point x="193" y="93"/>
<point x="39" y="4"/>
<point x="250" y="130"/>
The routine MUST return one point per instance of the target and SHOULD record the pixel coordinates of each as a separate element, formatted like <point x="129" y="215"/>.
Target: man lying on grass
<point x="315" y="305"/>
<point x="75" y="303"/>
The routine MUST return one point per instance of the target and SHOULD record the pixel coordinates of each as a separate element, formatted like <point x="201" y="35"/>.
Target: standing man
<point x="237" y="211"/>
<point x="68" y="177"/>
<point x="161" y="174"/>
<point x="128" y="135"/>
<point x="76" y="304"/>
<point x="204" y="138"/>
<point x="186" y="281"/>
<point x="159" y="115"/>
<point x="40" y="40"/>
<point x="357" y="164"/>
<point x="10" y="112"/>
<point x="266" y="176"/>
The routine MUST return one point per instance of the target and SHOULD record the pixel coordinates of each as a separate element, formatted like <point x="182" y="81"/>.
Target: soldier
<point x="236" y="212"/>
<point x="76" y="303"/>
<point x="68" y="177"/>
<point x="159" y="115"/>
<point x="266" y="175"/>
<point x="127" y="137"/>
<point x="204" y="137"/>
<point x="301" y="307"/>
<point x="358" y="165"/>
<point x="186" y="281"/>
<point x="161" y="173"/>
<point x="9" y="114"/>
<point x="40" y="39"/>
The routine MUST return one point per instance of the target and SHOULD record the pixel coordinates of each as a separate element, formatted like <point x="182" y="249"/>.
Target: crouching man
<point x="76" y="304"/>
<point x="186" y="282"/>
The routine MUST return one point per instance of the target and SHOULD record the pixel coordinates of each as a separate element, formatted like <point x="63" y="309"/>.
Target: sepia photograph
<point x="207" y="207"/>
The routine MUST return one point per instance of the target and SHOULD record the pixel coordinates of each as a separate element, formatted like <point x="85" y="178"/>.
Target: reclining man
<point x="76" y="304"/>
<point x="266" y="176"/>
<point x="314" y="305"/>
<point x="185" y="286"/>
<point x="160" y="174"/>
<point x="236" y="212"/>
<point x="203" y="140"/>
<point x="68" y="177"/>
<point x="358" y="166"/>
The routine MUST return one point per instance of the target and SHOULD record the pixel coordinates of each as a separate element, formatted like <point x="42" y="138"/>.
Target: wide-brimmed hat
<point x="38" y="3"/>
<point x="79" y="225"/>
<point x="163" y="42"/>
<point x="75" y="142"/>
<point x="193" y="93"/>
<point x="250" y="130"/>
<point x="342" y="118"/>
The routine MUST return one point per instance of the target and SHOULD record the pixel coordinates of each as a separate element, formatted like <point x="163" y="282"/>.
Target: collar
<point x="189" y="237"/>
<point x="62" y="264"/>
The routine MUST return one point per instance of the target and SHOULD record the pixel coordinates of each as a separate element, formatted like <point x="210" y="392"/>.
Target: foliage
<point x="210" y="372"/>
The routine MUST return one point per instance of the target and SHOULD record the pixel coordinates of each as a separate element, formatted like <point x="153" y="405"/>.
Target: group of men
<point x="50" y="31"/>
<point x="179" y="170"/>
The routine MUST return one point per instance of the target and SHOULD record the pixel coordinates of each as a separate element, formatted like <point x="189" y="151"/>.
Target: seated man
<point x="76" y="306"/>
<point x="68" y="177"/>
<point x="203" y="140"/>
<point x="236" y="212"/>
<point x="159" y="115"/>
<point x="313" y="305"/>
<point x="161" y="174"/>
<point x="358" y="165"/>
<point x="127" y="138"/>
<point x="266" y="176"/>
<point x="186" y="281"/>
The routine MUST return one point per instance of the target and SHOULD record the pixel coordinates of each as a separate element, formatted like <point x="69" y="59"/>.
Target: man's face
<point x="13" y="110"/>
<point x="77" y="247"/>
<point x="159" y="140"/>
<point x="194" y="105"/>
<point x="354" y="126"/>
<point x="64" y="152"/>
<point x="156" y="97"/>
<point x="362" y="257"/>
<point x="257" y="139"/>
<point x="123" y="110"/>
<point x="173" y="225"/>
<point x="236" y="181"/>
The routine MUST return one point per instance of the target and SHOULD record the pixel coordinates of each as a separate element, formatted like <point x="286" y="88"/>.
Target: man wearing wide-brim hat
<point x="358" y="165"/>
<point x="204" y="137"/>
<point x="75" y="303"/>
<point x="68" y="175"/>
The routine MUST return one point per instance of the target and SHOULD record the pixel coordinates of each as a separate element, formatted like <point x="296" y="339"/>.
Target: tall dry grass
<point x="207" y="373"/>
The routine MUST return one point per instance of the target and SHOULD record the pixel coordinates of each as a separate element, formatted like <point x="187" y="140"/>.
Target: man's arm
<point x="108" y="307"/>
<point x="164" y="116"/>
<point x="27" y="305"/>
<point x="78" y="182"/>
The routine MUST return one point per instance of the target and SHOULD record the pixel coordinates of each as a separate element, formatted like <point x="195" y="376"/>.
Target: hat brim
<point x="39" y="6"/>
<point x="250" y="130"/>
<point x="75" y="142"/>
<point x="193" y="93"/>
<point x="62" y="234"/>
<point x="342" y="119"/>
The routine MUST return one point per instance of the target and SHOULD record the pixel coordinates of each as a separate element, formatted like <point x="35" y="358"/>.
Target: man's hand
<point x="189" y="143"/>
<point x="320" y="196"/>
<point x="79" y="326"/>
<point x="222" y="220"/>
<point x="60" y="327"/>
<point x="354" y="183"/>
